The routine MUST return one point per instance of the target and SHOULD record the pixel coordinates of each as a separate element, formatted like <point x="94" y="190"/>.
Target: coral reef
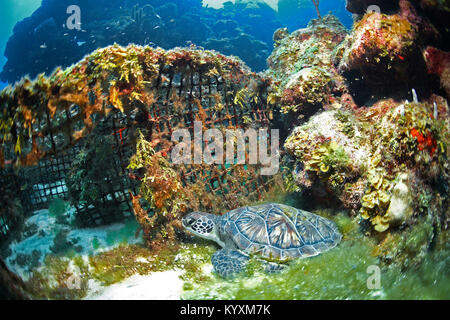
<point x="372" y="166"/>
<point x="39" y="44"/>
<point x="304" y="77"/>
<point x="438" y="63"/>
<point x="383" y="54"/>
<point x="383" y="51"/>
<point x="386" y="163"/>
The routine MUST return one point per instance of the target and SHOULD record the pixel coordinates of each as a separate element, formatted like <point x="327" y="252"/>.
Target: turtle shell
<point x="279" y="232"/>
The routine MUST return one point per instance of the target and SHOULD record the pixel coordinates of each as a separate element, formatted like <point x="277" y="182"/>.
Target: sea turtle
<point x="277" y="233"/>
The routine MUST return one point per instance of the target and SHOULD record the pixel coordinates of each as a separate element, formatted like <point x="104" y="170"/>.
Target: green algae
<point x="431" y="280"/>
<point x="58" y="280"/>
<point x="58" y="209"/>
<point x="67" y="277"/>
<point x="341" y="273"/>
<point x="130" y="229"/>
<point x="124" y="261"/>
<point x="337" y="274"/>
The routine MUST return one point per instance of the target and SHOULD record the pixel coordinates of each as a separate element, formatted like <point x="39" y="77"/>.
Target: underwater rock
<point x="11" y="286"/>
<point x="382" y="56"/>
<point x="279" y="34"/>
<point x="304" y="77"/>
<point x="438" y="12"/>
<point x="382" y="50"/>
<point x="376" y="160"/>
<point x="400" y="208"/>
<point x="328" y="155"/>
<point x="438" y="63"/>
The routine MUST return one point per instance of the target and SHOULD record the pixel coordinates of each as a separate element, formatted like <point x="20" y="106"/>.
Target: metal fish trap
<point x="128" y="102"/>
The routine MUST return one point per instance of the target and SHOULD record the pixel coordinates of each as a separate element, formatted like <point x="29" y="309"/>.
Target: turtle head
<point x="203" y="224"/>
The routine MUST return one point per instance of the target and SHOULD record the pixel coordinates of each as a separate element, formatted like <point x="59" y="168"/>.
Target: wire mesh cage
<point x="73" y="133"/>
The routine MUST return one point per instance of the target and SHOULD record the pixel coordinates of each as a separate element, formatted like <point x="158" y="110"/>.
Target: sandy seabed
<point x="165" y="285"/>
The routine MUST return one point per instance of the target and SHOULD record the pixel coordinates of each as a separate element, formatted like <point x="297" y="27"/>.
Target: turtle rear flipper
<point x="229" y="263"/>
<point x="271" y="267"/>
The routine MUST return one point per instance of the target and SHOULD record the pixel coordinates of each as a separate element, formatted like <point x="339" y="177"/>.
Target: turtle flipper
<point x="271" y="267"/>
<point x="228" y="263"/>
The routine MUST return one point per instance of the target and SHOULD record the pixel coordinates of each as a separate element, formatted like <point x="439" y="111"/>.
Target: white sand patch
<point x="165" y="285"/>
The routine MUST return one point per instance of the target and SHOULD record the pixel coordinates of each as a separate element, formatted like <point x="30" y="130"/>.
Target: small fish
<point x="401" y="57"/>
<point x="43" y="46"/>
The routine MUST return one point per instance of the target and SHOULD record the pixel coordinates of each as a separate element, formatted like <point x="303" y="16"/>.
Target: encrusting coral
<point x="438" y="63"/>
<point x="383" y="53"/>
<point x="390" y="143"/>
<point x="304" y="77"/>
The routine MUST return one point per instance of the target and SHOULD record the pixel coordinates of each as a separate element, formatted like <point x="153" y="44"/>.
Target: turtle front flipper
<point x="229" y="263"/>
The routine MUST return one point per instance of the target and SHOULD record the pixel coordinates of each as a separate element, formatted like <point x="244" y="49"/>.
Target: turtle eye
<point x="190" y="221"/>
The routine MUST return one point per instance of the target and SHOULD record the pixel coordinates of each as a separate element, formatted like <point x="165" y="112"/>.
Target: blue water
<point x="11" y="12"/>
<point x="293" y="14"/>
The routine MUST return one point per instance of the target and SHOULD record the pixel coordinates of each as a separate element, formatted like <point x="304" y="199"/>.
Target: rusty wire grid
<point x="46" y="124"/>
